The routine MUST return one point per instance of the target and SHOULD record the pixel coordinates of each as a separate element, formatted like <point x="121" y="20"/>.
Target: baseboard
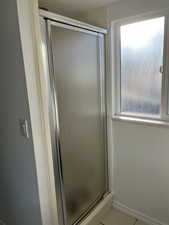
<point x="138" y="215"/>
<point x="97" y="213"/>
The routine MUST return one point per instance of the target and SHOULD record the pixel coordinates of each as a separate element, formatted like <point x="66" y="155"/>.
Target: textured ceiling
<point x="72" y="5"/>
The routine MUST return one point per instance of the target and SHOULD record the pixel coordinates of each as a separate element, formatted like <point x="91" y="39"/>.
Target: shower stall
<point x="74" y="55"/>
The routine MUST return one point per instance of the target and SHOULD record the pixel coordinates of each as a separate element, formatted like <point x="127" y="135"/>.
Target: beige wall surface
<point x="141" y="153"/>
<point x="97" y="17"/>
<point x="129" y="8"/>
<point x="120" y="9"/>
<point x="141" y="168"/>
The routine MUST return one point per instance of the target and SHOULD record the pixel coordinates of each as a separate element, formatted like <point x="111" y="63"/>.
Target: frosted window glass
<point x="141" y="59"/>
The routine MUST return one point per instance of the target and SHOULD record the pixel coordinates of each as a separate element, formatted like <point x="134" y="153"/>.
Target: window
<point x="141" y="74"/>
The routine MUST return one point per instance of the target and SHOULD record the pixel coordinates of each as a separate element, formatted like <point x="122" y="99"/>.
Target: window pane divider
<point x="140" y="120"/>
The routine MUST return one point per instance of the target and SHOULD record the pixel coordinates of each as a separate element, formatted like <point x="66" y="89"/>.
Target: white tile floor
<point x="115" y="217"/>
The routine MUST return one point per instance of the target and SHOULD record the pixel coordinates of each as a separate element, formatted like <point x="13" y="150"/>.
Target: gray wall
<point x="19" y="202"/>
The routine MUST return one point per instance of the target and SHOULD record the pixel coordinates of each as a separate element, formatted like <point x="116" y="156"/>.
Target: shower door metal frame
<point x="47" y="20"/>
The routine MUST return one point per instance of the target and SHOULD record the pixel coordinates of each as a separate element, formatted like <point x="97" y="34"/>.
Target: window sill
<point x="144" y="121"/>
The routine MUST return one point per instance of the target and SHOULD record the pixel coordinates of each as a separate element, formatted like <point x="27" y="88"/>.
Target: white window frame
<point x="116" y="73"/>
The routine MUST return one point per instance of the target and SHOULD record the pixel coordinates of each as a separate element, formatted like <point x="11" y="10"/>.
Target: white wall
<point x="140" y="153"/>
<point x="141" y="168"/>
<point x="120" y="9"/>
<point x="97" y="17"/>
<point x="127" y="8"/>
